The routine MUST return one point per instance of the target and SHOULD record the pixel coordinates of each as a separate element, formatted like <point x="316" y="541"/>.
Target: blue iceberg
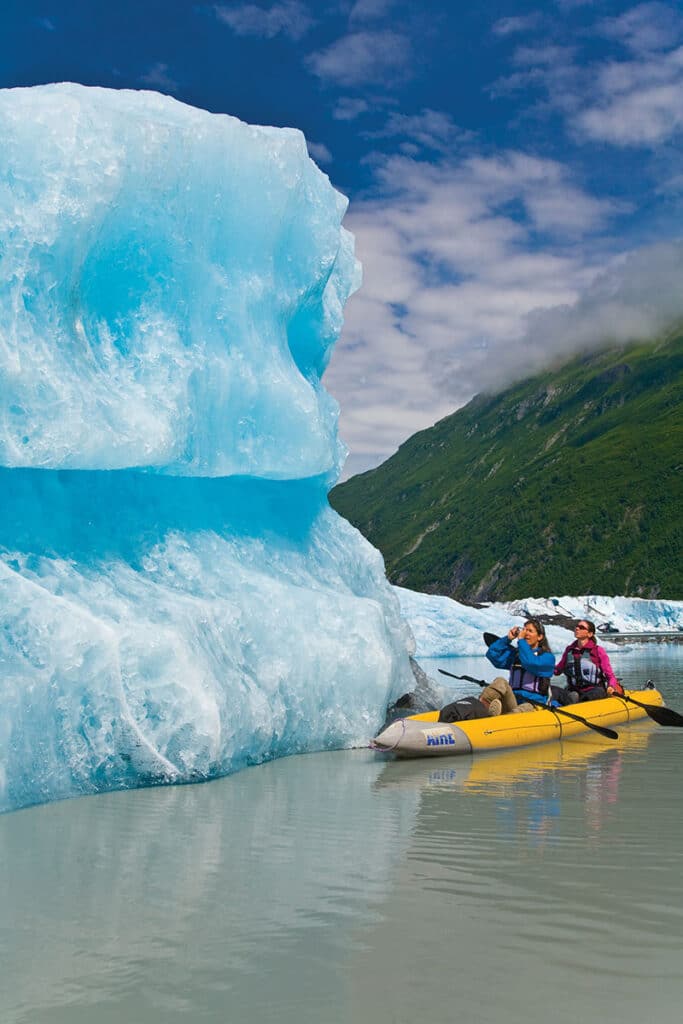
<point x="177" y="598"/>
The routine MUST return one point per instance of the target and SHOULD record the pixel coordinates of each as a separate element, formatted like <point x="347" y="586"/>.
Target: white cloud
<point x="630" y="102"/>
<point x="290" y="18"/>
<point x="565" y="208"/>
<point x="645" y="28"/>
<point x="570" y="5"/>
<point x="636" y="103"/>
<point x="348" y="109"/>
<point x="563" y="80"/>
<point x="513" y="25"/>
<point x="452" y="272"/>
<point x="672" y="185"/>
<point x="319" y="152"/>
<point x="639" y="295"/>
<point x="549" y="56"/>
<point x="367" y="10"/>
<point x="157" y="77"/>
<point x="363" y="58"/>
<point x="431" y="129"/>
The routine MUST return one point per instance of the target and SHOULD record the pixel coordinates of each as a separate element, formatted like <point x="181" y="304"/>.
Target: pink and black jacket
<point x="586" y="667"/>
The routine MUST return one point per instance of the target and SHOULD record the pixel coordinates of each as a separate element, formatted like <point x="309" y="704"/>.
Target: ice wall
<point x="177" y="599"/>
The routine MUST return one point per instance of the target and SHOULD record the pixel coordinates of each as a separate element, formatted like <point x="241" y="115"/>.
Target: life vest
<point x="582" y="672"/>
<point x="521" y="679"/>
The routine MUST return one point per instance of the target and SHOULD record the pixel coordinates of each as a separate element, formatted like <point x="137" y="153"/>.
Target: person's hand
<point x="513" y="633"/>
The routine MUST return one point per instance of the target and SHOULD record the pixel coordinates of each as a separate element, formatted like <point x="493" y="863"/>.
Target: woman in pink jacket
<point x="586" y="666"/>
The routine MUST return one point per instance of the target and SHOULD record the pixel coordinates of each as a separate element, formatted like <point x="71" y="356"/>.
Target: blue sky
<point x="514" y="169"/>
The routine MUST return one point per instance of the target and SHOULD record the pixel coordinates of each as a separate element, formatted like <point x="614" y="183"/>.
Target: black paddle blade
<point x="609" y="734"/>
<point x="490" y="638"/>
<point x="662" y="716"/>
<point x="665" y="716"/>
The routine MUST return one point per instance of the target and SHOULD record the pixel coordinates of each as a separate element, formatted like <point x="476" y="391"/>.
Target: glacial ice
<point x="625" y="614"/>
<point x="177" y="598"/>
<point x="444" y="628"/>
<point x="172" y="285"/>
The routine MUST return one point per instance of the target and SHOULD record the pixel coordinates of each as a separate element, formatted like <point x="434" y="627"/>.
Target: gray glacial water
<point x="536" y="885"/>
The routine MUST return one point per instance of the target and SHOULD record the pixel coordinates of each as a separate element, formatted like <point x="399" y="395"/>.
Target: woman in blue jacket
<point x="530" y="663"/>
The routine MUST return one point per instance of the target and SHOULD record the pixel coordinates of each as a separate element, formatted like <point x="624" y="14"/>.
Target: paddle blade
<point x="490" y="638"/>
<point x="662" y="716"/>
<point x="609" y="734"/>
<point x="665" y="716"/>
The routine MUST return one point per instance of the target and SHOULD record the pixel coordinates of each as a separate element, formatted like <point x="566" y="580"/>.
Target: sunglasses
<point x="580" y="626"/>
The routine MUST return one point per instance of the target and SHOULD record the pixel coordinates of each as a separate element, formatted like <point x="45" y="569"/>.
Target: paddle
<point x="662" y="716"/>
<point x="609" y="734"/>
<point x="470" y="679"/>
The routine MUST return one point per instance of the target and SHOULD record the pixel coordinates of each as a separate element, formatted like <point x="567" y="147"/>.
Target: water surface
<point x="516" y="887"/>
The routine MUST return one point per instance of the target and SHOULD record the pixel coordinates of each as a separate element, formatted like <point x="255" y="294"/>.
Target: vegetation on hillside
<point x="570" y="482"/>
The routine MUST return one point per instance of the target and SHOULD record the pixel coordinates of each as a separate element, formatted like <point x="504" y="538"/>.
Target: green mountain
<point x="568" y="483"/>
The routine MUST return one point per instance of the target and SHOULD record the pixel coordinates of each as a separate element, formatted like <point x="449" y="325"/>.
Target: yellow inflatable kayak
<point x="424" y="736"/>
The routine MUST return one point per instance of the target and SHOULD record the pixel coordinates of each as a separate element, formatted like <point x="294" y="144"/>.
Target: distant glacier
<point x="446" y="628"/>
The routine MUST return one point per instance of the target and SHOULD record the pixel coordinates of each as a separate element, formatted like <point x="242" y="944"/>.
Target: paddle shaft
<point x="470" y="679"/>
<point x="610" y="734"/>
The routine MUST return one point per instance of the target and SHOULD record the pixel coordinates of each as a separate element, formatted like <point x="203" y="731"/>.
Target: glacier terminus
<point x="177" y="598"/>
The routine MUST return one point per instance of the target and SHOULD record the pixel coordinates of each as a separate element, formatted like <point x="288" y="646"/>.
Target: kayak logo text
<point x="444" y="739"/>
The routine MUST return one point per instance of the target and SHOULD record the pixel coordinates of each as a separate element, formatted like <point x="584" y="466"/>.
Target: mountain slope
<point x="570" y="482"/>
